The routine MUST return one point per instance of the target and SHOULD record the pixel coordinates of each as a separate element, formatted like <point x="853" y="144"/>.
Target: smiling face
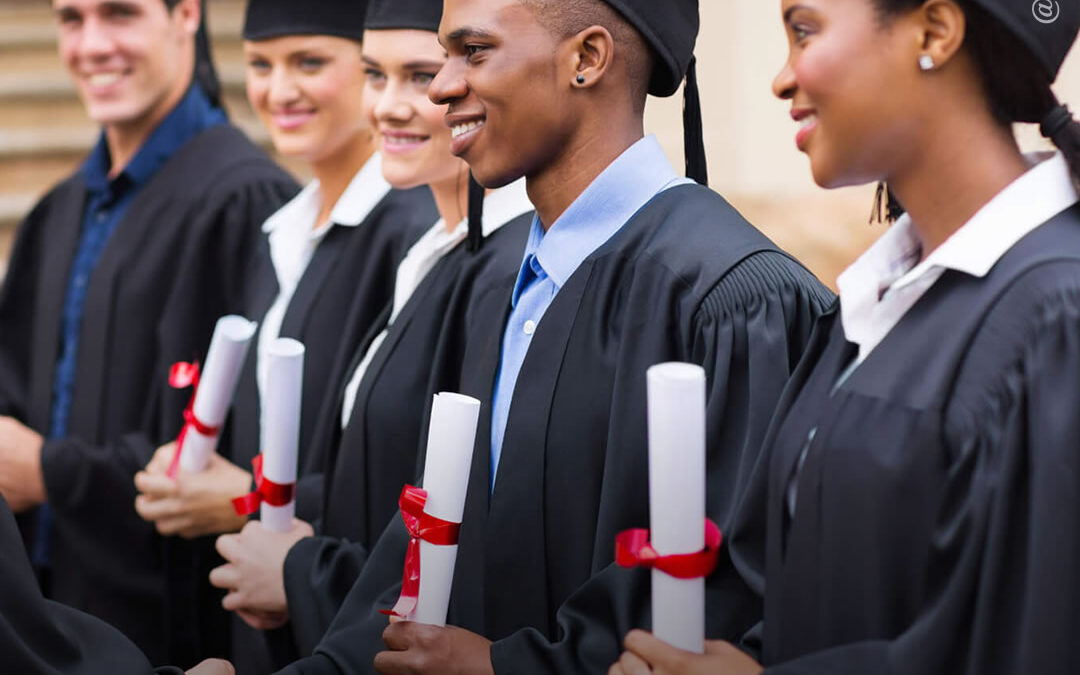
<point x="415" y="143"/>
<point x="851" y="78"/>
<point x="308" y="91"/>
<point x="507" y="86"/>
<point x="131" y="60"/>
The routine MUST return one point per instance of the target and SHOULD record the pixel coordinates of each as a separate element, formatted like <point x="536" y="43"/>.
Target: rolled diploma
<point x="676" y="394"/>
<point x="217" y="384"/>
<point x="446" y="479"/>
<point x="281" y="434"/>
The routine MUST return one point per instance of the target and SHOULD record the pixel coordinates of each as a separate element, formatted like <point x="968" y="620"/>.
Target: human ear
<point x="592" y="52"/>
<point x="942" y="27"/>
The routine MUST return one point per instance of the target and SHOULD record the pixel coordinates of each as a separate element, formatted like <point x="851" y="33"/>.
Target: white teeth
<point x="462" y="129"/>
<point x="807" y="121"/>
<point x="404" y="140"/>
<point x="104" y="79"/>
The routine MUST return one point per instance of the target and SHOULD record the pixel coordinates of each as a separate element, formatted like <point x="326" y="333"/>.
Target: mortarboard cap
<point x="671" y="28"/>
<point x="404" y="15"/>
<point x="266" y="19"/>
<point x="1047" y="27"/>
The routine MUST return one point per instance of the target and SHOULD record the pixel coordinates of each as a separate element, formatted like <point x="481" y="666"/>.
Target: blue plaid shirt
<point x="107" y="201"/>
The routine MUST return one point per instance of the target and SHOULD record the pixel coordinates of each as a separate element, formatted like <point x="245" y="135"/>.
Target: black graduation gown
<point x="935" y="530"/>
<point x="42" y="637"/>
<point x="686" y="279"/>
<point x="174" y="265"/>
<point x="383" y="446"/>
<point x="351" y="272"/>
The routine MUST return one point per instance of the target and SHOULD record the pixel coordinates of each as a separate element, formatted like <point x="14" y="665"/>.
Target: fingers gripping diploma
<point x="254" y="572"/>
<point x="645" y="655"/>
<point x="417" y="648"/>
<point x="191" y="505"/>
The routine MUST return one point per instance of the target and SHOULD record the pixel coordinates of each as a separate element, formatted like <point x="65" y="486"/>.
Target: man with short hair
<point x="628" y="265"/>
<point x="120" y="270"/>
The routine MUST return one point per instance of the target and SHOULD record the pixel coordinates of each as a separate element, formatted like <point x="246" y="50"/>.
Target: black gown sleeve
<point x="1002" y="594"/>
<point x="17" y="306"/>
<point x="41" y="637"/>
<point x="749" y="333"/>
<point x="319" y="572"/>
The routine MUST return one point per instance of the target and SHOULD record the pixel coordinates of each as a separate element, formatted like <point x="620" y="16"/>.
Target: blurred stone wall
<point x="748" y="133"/>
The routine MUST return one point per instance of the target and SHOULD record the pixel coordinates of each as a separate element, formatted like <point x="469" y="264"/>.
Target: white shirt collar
<point x="365" y="191"/>
<point x="1043" y="192"/>
<point x="885" y="282"/>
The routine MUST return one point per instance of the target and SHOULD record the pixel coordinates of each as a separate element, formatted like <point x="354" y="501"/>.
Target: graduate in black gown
<point x="121" y="270"/>
<point x="330" y="252"/>
<point x="627" y="265"/>
<point x="373" y="430"/>
<point x="43" y="637"/>
<point x="915" y="508"/>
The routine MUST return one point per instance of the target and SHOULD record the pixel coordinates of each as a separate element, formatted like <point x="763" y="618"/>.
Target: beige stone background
<point x="749" y="136"/>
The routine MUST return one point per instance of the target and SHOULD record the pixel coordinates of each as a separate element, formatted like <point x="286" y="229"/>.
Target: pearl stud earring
<point x="926" y="62"/>
<point x="581" y="79"/>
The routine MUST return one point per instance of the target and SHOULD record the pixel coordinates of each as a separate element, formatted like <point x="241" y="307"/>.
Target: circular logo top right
<point x="1046" y="11"/>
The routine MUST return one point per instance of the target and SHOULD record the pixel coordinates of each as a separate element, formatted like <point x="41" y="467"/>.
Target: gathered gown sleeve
<point x="1003" y="591"/>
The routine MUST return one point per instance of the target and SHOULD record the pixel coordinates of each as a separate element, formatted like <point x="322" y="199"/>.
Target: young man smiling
<point x="627" y="265"/>
<point x="121" y="270"/>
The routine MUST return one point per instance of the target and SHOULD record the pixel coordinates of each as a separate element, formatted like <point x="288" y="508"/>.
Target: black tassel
<point x="694" y="139"/>
<point x="475" y="239"/>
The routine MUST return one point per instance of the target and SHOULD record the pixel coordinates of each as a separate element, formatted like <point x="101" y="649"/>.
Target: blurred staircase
<point x="44" y="133"/>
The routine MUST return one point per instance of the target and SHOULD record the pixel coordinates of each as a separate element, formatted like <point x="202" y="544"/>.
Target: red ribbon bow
<point x="632" y="549"/>
<point x="266" y="490"/>
<point x="181" y="376"/>
<point x="423" y="527"/>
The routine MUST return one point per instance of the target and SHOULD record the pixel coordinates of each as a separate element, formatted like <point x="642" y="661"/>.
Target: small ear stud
<point x="926" y="62"/>
<point x="580" y="79"/>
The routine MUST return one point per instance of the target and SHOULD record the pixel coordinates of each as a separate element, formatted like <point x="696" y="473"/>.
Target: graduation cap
<point x="404" y="15"/>
<point x="1046" y="27"/>
<point x="267" y="19"/>
<point x="671" y="28"/>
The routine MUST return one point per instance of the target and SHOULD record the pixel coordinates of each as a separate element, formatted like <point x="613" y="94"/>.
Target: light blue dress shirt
<point x="627" y="184"/>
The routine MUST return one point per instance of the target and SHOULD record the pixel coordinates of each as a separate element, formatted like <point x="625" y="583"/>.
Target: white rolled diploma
<point x="281" y="426"/>
<point x="451" y="437"/>
<point x="217" y="384"/>
<point x="676" y="394"/>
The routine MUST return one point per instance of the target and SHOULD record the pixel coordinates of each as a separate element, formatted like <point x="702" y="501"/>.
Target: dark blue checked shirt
<point x="107" y="201"/>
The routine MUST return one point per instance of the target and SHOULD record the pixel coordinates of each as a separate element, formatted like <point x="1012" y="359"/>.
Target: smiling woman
<point x="329" y="253"/>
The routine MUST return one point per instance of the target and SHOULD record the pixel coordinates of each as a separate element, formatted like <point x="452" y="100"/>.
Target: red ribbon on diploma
<point x="274" y="494"/>
<point x="423" y="527"/>
<point x="181" y="376"/>
<point x="632" y="549"/>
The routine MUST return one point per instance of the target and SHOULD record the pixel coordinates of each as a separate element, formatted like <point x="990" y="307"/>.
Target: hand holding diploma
<point x="647" y="655"/>
<point x="275" y="468"/>
<point x="433" y="515"/>
<point x="254" y="572"/>
<point x="214" y="384"/>
<point x="417" y="649"/>
<point x="190" y="505"/>
<point x="684" y="546"/>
